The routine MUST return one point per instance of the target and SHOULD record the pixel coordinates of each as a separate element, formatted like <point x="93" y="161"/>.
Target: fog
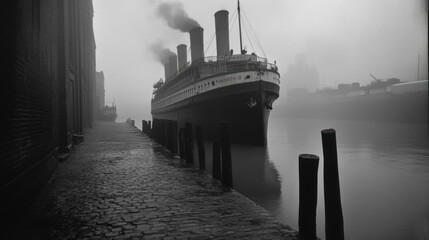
<point x="342" y="40"/>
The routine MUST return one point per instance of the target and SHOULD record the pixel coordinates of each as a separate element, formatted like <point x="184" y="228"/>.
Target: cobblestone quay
<point x="119" y="184"/>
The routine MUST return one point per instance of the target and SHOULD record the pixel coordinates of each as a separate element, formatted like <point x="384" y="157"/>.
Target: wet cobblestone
<point x="119" y="184"/>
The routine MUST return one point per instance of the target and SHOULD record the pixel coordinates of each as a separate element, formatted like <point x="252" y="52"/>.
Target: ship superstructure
<point x="239" y="88"/>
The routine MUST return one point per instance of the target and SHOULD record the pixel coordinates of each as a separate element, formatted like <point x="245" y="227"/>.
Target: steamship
<point x="238" y="88"/>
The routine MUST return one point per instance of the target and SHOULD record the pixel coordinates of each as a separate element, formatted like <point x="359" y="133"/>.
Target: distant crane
<point x="374" y="78"/>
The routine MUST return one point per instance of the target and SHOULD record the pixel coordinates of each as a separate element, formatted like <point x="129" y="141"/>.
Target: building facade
<point x="99" y="96"/>
<point x="48" y="63"/>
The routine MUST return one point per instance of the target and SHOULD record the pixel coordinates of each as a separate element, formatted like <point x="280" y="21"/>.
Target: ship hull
<point x="246" y="106"/>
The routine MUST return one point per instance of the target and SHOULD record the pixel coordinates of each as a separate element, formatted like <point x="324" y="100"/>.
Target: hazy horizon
<point x="345" y="40"/>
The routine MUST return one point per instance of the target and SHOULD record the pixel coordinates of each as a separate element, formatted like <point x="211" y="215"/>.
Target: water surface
<point x="383" y="168"/>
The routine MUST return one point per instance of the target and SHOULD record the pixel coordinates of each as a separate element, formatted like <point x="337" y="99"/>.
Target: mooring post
<point x="174" y="136"/>
<point x="189" y="144"/>
<point x="169" y="135"/>
<point x="201" y="148"/>
<point x="144" y="126"/>
<point x="226" y="154"/>
<point x="182" y="143"/>
<point x="164" y="133"/>
<point x="133" y="123"/>
<point x="216" y="160"/>
<point x="308" y="166"/>
<point x="149" y="128"/>
<point x="334" y="225"/>
<point x="152" y="132"/>
<point x="155" y="130"/>
<point x="158" y="131"/>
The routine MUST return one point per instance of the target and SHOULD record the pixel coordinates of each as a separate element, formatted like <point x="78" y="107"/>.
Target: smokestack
<point x="197" y="44"/>
<point x="182" y="55"/>
<point x="172" y="65"/>
<point x="222" y="32"/>
<point x="162" y="54"/>
<point x="166" y="71"/>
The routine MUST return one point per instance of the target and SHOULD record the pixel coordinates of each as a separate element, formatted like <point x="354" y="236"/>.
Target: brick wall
<point x="27" y="130"/>
<point x="33" y="73"/>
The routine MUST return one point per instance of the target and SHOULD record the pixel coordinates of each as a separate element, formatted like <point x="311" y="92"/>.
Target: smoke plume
<point x="161" y="53"/>
<point x="176" y="17"/>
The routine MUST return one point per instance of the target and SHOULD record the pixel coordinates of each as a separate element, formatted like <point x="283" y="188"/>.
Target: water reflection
<point x="254" y="174"/>
<point x="383" y="169"/>
<point x="384" y="175"/>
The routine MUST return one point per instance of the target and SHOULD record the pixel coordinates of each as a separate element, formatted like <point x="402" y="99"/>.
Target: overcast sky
<point x="345" y="39"/>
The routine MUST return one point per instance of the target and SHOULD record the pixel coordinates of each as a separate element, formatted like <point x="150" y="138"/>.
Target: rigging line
<point x="232" y="25"/>
<point x="253" y="32"/>
<point x="257" y="40"/>
<point x="245" y="30"/>
<point x="210" y="43"/>
<point x="233" y="15"/>
<point x="213" y="52"/>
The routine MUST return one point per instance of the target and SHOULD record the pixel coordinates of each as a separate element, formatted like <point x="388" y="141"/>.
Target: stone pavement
<point x="119" y="184"/>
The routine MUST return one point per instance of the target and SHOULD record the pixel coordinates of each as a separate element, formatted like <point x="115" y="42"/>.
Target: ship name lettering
<point x="227" y="79"/>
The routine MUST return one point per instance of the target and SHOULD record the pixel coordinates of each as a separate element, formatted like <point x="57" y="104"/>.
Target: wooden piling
<point x="216" y="168"/>
<point x="182" y="143"/>
<point x="163" y="136"/>
<point x="158" y="131"/>
<point x="149" y="128"/>
<point x="226" y="154"/>
<point x="201" y="148"/>
<point x="171" y="135"/>
<point x="174" y="137"/>
<point x="189" y="144"/>
<point x="166" y="140"/>
<point x="155" y="130"/>
<point x="169" y="128"/>
<point x="133" y="123"/>
<point x="164" y="133"/>
<point x="334" y="225"/>
<point x="308" y="166"/>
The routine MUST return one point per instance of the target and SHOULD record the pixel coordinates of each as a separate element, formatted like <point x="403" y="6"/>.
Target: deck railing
<point x="217" y="64"/>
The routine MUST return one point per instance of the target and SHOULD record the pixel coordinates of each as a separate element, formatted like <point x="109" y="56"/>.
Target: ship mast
<point x="239" y="27"/>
